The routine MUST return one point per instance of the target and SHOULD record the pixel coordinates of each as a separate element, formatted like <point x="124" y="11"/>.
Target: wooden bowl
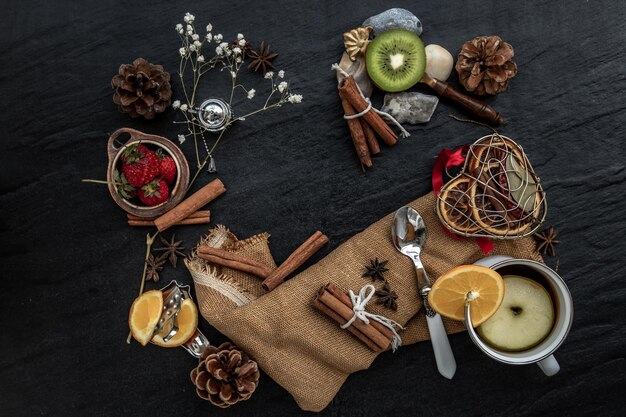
<point x="182" y="166"/>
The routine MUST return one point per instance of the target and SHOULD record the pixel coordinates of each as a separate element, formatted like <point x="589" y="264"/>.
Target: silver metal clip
<point x="167" y="326"/>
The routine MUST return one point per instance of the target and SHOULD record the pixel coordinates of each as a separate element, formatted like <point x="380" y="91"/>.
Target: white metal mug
<point x="542" y="354"/>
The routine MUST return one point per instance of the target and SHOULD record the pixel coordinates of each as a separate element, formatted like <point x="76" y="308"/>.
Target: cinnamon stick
<point x="370" y="137"/>
<point x="345" y="298"/>
<point x="198" y="199"/>
<point x="293" y="262"/>
<point x="348" y="91"/>
<point x="187" y="221"/>
<point x="234" y="261"/>
<point x="318" y="305"/>
<point x="194" y="215"/>
<point x="358" y="136"/>
<point x="346" y="314"/>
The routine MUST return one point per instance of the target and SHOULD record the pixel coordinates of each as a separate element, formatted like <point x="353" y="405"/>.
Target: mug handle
<point x="549" y="365"/>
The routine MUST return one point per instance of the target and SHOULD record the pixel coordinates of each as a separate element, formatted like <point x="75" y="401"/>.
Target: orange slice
<point x="455" y="205"/>
<point x="480" y="286"/>
<point x="144" y="315"/>
<point x="187" y="324"/>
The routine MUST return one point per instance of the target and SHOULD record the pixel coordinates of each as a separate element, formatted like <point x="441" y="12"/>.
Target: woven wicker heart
<point x="497" y="194"/>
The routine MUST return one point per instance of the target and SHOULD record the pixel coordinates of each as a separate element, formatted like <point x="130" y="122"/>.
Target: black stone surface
<point x="71" y="266"/>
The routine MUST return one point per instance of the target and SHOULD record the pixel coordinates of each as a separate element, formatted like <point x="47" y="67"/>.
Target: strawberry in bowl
<point x="148" y="175"/>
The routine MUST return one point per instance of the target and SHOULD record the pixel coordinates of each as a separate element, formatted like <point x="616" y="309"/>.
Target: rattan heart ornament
<point x="497" y="194"/>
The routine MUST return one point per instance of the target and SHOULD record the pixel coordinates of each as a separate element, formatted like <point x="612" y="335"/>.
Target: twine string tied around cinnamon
<point x="359" y="302"/>
<point x="369" y="107"/>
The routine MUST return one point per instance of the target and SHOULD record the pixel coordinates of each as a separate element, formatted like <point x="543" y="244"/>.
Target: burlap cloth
<point x="301" y="349"/>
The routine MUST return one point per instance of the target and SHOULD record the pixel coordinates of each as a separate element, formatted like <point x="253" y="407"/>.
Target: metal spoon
<point x="408" y="234"/>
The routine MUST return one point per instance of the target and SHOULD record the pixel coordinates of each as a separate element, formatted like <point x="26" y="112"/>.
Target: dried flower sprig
<point x="229" y="58"/>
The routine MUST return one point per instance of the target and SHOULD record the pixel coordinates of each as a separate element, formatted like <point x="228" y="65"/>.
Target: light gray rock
<point x="358" y="70"/>
<point x="395" y="18"/>
<point x="410" y="108"/>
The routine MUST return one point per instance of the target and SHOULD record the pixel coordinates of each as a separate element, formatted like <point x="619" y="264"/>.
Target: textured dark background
<point x="71" y="266"/>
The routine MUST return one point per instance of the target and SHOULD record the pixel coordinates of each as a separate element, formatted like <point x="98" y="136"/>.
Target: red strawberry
<point x="167" y="167"/>
<point x="153" y="193"/>
<point x="139" y="164"/>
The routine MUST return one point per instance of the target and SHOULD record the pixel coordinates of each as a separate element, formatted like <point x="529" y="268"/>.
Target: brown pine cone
<point x="225" y="375"/>
<point x="142" y="89"/>
<point x="484" y="65"/>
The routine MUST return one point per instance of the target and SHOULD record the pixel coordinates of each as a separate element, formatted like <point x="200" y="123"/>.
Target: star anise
<point x="546" y="240"/>
<point x="387" y="297"/>
<point x="155" y="265"/>
<point x="262" y="59"/>
<point x="375" y="270"/>
<point x="172" y="249"/>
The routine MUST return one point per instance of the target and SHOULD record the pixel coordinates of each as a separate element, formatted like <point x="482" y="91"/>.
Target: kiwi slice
<point x="396" y="60"/>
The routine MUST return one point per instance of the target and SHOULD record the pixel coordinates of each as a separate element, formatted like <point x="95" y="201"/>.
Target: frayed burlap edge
<point x="207" y="275"/>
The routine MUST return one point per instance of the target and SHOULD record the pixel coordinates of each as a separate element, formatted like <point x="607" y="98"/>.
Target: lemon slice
<point x="144" y="315"/>
<point x="187" y="324"/>
<point x="478" y="285"/>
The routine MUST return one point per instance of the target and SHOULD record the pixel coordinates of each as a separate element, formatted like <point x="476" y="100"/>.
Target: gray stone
<point x="395" y="18"/>
<point x="410" y="108"/>
<point x="358" y="70"/>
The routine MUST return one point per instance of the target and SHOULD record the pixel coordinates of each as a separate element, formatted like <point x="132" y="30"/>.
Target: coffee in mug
<point x="524" y="319"/>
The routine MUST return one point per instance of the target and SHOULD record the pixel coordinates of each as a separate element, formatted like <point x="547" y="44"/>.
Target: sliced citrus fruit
<point x="144" y="315"/>
<point x="187" y="324"/>
<point x="481" y="286"/>
<point x="455" y="205"/>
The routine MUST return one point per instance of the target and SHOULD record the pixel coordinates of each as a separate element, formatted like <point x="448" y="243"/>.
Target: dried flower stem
<point x="230" y="58"/>
<point x="149" y="242"/>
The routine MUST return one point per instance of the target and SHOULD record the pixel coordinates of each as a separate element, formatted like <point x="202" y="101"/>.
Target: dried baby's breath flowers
<point x="201" y="53"/>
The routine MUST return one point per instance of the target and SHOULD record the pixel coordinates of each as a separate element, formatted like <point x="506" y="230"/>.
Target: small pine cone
<point x="142" y="89"/>
<point x="484" y="65"/>
<point x="225" y="375"/>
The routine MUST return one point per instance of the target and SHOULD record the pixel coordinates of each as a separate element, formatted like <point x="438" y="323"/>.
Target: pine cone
<point x="225" y="375"/>
<point x="142" y="89"/>
<point x="485" y="65"/>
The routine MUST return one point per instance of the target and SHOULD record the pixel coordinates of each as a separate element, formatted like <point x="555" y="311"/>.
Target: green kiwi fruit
<point x="396" y="60"/>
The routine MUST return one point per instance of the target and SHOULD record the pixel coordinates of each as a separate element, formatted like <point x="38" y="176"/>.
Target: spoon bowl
<point x="409" y="231"/>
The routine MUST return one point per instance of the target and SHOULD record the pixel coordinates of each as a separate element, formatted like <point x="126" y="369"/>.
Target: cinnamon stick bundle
<point x="333" y="305"/>
<point x="358" y="135"/>
<point x="199" y="217"/>
<point x="345" y="298"/>
<point x="198" y="199"/>
<point x="348" y="91"/>
<point x="234" y="261"/>
<point x="295" y="260"/>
